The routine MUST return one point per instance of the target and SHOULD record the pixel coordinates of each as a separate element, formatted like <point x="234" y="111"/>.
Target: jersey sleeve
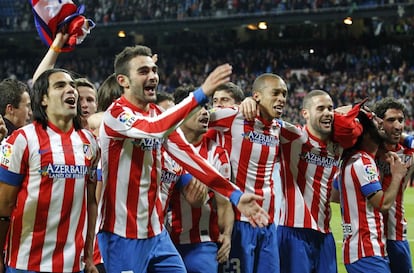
<point x="13" y="158"/>
<point x="289" y="132"/>
<point x="122" y="122"/>
<point x="221" y="119"/>
<point x="181" y="151"/>
<point x="368" y="177"/>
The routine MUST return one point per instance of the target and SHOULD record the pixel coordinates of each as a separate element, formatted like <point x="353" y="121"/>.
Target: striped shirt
<point x="190" y="225"/>
<point x="362" y="224"/>
<point x="253" y="147"/>
<point x="395" y="222"/>
<point x="132" y="143"/>
<point x="307" y="169"/>
<point x="52" y="168"/>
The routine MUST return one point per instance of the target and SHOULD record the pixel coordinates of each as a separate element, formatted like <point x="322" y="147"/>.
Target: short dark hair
<point x="381" y="106"/>
<point x="121" y="63"/>
<point x="182" y="92"/>
<point x="109" y="91"/>
<point x="84" y="82"/>
<point x="162" y="96"/>
<point x="11" y="91"/>
<point x="40" y="89"/>
<point x="236" y="92"/>
<point x="310" y="95"/>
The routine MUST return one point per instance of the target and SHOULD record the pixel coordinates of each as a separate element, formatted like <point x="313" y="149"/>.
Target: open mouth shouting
<point x="278" y="109"/>
<point x="326" y="123"/>
<point x="150" y="89"/>
<point x="71" y="101"/>
<point x="203" y="120"/>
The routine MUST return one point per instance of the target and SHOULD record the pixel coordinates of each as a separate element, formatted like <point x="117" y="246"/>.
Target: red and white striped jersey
<point x="52" y="168"/>
<point x="170" y="175"/>
<point x="307" y="169"/>
<point x="132" y="143"/>
<point x="394" y="220"/>
<point x="253" y="148"/>
<point x="362" y="224"/>
<point x="188" y="225"/>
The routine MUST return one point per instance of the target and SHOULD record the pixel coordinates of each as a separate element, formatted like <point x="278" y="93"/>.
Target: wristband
<point x="56" y="49"/>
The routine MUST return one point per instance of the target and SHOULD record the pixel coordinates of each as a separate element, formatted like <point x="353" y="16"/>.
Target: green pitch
<point x="337" y="230"/>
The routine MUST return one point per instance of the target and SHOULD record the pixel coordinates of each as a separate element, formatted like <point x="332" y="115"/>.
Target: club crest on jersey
<point x="315" y="159"/>
<point x="148" y="144"/>
<point x="127" y="118"/>
<point x="64" y="171"/>
<point x="371" y="173"/>
<point x="6" y="151"/>
<point x="87" y="150"/>
<point x="260" y="138"/>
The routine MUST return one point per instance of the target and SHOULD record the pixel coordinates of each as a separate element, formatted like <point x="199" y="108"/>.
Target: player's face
<point x="142" y="80"/>
<point x="222" y="98"/>
<point x="23" y="114"/>
<point x="62" y="98"/>
<point x="319" y="116"/>
<point x="393" y="125"/>
<point x="87" y="101"/>
<point x="199" y="121"/>
<point x="272" y="98"/>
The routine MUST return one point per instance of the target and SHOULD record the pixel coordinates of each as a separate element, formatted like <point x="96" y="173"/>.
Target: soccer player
<point x="86" y="89"/>
<point x="309" y="159"/>
<point x="363" y="199"/>
<point x="133" y="137"/>
<point x="253" y="148"/>
<point x="15" y="104"/>
<point x="196" y="231"/>
<point x="227" y="95"/>
<point x="47" y="184"/>
<point x="393" y="113"/>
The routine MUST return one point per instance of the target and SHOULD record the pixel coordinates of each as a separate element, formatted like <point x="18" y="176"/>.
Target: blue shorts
<point x="253" y="249"/>
<point x="399" y="256"/>
<point x="155" y="254"/>
<point x="374" y="264"/>
<point x="199" y="258"/>
<point x="305" y="250"/>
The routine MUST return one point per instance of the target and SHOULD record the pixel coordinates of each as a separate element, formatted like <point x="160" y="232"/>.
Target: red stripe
<point x="195" y="227"/>
<point x="45" y="193"/>
<point x="68" y="198"/>
<point x="17" y="222"/>
<point x="288" y="185"/>
<point x="176" y="216"/>
<point x="111" y="184"/>
<point x="345" y="215"/>
<point x="153" y="191"/>
<point x="134" y="194"/>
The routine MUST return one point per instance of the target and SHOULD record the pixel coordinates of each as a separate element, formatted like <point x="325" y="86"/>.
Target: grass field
<point x="337" y="230"/>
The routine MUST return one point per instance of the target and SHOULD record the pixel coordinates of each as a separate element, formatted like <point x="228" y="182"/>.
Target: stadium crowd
<point x="347" y="75"/>
<point x="339" y="75"/>
<point x="15" y="15"/>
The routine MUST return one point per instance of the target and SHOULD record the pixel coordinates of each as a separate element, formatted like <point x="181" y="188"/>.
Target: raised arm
<point x="49" y="60"/>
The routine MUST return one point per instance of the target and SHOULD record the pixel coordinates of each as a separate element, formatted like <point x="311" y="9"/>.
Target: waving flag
<point x="52" y="16"/>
